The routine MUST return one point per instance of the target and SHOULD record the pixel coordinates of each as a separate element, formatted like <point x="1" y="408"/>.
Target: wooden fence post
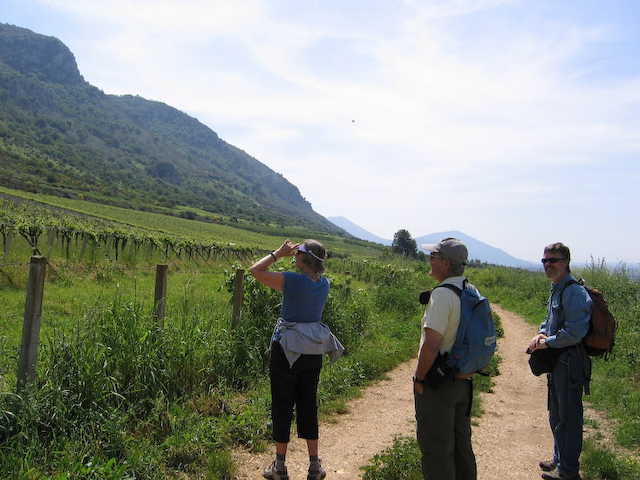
<point x="160" y="301"/>
<point x="32" y="319"/>
<point x="237" y="297"/>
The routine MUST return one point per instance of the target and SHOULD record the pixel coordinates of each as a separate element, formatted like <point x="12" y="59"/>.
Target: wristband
<point x="275" y="259"/>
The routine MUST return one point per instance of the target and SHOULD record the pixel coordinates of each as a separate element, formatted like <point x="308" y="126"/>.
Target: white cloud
<point x="486" y="116"/>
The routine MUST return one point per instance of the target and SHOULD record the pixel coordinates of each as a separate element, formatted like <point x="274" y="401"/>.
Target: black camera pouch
<point x="439" y="373"/>
<point x="543" y="360"/>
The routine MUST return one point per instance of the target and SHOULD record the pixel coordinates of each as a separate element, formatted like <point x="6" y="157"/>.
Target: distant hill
<point x="62" y="136"/>
<point x="477" y="250"/>
<point x="358" y="231"/>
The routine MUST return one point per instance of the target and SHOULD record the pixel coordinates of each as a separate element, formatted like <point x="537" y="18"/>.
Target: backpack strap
<point x="586" y="360"/>
<point x="570" y="282"/>
<point x="450" y="286"/>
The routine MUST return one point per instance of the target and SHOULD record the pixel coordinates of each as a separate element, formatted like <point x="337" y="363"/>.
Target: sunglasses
<point x="551" y="260"/>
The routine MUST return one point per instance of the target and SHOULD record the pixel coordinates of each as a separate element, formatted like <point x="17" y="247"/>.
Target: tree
<point x="404" y="244"/>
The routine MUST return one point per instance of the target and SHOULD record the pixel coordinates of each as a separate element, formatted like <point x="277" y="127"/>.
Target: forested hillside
<point x="60" y="135"/>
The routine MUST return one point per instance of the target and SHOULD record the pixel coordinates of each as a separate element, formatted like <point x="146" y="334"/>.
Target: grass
<point x="602" y="463"/>
<point x="400" y="462"/>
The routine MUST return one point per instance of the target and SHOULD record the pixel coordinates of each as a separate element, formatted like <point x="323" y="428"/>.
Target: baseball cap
<point x="450" y="248"/>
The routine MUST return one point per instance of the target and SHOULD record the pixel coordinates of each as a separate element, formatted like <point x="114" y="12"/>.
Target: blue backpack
<point x="475" y="341"/>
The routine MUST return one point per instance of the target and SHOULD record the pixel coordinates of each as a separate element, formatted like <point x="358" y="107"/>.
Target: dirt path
<point x="513" y="435"/>
<point x="509" y="440"/>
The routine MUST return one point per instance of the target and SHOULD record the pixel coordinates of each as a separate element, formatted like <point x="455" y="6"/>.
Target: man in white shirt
<point x="442" y="414"/>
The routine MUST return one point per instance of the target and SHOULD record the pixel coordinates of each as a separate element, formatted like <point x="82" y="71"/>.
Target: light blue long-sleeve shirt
<point x="567" y="321"/>
<point x="313" y="338"/>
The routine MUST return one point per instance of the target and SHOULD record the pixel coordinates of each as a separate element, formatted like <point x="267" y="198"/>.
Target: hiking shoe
<point x="548" y="465"/>
<point x="318" y="474"/>
<point x="556" y="475"/>
<point x="274" y="474"/>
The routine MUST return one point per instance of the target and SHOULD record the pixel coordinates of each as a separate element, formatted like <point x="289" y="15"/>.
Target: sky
<point x="516" y="122"/>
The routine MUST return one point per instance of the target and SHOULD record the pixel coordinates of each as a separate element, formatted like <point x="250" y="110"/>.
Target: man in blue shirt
<point x="566" y="324"/>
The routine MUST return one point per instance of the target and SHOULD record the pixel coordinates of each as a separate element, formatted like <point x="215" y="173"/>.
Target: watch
<point x="417" y="380"/>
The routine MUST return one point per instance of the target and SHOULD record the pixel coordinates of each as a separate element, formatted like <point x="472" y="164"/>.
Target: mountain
<point x="358" y="231"/>
<point x="60" y="135"/>
<point x="477" y="250"/>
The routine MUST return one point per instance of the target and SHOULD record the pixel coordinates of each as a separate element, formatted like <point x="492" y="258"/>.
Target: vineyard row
<point x="65" y="229"/>
<point x="114" y="244"/>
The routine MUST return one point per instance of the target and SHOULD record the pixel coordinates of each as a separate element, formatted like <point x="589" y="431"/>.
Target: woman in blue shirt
<point x="299" y="341"/>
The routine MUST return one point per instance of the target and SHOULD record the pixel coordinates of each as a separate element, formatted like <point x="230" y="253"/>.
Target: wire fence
<point x="33" y="308"/>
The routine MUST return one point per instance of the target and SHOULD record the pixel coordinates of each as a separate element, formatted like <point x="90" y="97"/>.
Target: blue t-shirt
<point x="303" y="299"/>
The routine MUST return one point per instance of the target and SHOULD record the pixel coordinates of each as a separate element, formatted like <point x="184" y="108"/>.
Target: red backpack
<point x="600" y="338"/>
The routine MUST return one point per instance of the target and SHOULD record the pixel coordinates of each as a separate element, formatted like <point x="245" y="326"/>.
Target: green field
<point x="263" y="237"/>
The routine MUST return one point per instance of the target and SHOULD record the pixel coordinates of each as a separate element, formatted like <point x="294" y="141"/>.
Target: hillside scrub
<point x="63" y="136"/>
